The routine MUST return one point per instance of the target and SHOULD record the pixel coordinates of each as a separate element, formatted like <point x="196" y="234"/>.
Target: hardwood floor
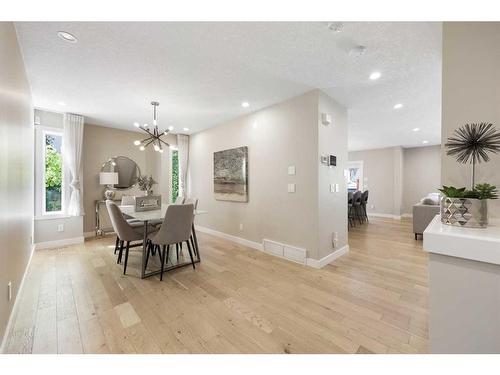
<point x="238" y="300"/>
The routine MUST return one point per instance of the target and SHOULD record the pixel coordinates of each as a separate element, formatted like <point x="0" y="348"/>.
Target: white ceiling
<point x="201" y="72"/>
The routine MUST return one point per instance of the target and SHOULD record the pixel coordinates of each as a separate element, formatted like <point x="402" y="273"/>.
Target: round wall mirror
<point x="127" y="169"/>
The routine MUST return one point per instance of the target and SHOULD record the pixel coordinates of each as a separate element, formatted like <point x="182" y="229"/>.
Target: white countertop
<point x="480" y="244"/>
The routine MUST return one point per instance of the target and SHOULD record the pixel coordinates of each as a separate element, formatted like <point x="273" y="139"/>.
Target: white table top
<point x="480" y="244"/>
<point x="151" y="215"/>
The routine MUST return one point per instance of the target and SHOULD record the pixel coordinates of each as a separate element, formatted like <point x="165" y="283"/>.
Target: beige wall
<point x="379" y="178"/>
<point x="279" y="136"/>
<point x="422" y="174"/>
<point x="101" y="143"/>
<point x="471" y="93"/>
<point x="399" y="177"/>
<point x="16" y="169"/>
<point x="332" y="207"/>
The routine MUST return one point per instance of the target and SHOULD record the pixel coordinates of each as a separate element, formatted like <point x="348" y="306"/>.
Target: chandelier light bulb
<point x="170" y="128"/>
<point x="161" y="151"/>
<point x="153" y="134"/>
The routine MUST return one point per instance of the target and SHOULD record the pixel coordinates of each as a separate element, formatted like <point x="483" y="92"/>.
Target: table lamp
<point x="109" y="179"/>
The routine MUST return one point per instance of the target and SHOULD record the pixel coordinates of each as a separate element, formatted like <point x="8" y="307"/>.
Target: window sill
<point x="52" y="217"/>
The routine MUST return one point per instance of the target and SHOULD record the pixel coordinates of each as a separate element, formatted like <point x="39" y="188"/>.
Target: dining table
<point x="156" y="216"/>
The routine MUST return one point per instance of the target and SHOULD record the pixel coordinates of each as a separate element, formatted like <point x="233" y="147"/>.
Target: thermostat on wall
<point x="330" y="160"/>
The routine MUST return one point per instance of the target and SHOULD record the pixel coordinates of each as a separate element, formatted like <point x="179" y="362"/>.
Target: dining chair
<point x="194" y="202"/>
<point x="128" y="200"/>
<point x="364" y="202"/>
<point x="349" y="208"/>
<point x="126" y="232"/>
<point x="176" y="228"/>
<point x="356" y="204"/>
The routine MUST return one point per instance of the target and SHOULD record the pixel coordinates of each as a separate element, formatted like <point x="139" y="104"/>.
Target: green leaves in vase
<point x="480" y="191"/>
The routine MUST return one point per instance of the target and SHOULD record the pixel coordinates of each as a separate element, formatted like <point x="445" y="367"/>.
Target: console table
<point x="99" y="231"/>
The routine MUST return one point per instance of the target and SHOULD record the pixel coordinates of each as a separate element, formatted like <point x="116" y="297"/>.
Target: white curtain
<point x="72" y="156"/>
<point x="183" y="152"/>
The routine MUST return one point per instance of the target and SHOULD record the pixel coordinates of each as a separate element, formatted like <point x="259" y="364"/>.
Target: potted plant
<point x="467" y="208"/>
<point x="470" y="143"/>
<point x="146" y="184"/>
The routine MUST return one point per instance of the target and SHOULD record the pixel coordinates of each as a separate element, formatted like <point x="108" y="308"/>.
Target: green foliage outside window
<point x="53" y="176"/>
<point x="175" y="175"/>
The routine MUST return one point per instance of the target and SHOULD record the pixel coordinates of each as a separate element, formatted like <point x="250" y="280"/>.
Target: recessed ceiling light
<point x="425" y="142"/>
<point x="67" y="37"/>
<point x="170" y="128"/>
<point x="61" y="103"/>
<point x="416" y="129"/>
<point x="245" y="104"/>
<point x="375" y="75"/>
<point x="398" y="106"/>
<point x="186" y="129"/>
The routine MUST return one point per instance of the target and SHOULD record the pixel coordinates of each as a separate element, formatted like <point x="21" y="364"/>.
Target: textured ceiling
<point x="201" y="72"/>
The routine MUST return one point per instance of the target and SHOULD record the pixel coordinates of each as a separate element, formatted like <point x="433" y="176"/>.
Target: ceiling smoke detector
<point x="358" y="51"/>
<point x="336" y="27"/>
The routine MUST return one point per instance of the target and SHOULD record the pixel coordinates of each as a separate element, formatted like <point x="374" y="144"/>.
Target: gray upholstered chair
<point x="128" y="200"/>
<point x="423" y="213"/>
<point x="125" y="231"/>
<point x="193" y="201"/>
<point x="176" y="228"/>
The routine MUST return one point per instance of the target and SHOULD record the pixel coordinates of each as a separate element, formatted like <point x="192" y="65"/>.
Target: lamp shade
<point x="108" y="178"/>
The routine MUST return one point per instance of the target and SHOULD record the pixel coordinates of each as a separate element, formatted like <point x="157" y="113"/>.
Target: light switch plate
<point x="291" y="170"/>
<point x="291" y="188"/>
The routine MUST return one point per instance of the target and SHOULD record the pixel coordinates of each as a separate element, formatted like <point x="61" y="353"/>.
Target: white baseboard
<point x="407" y="215"/>
<point x="14" y="308"/>
<point x="58" y="243"/>
<point x="315" y="263"/>
<point x="388" y="216"/>
<point x="238" y="240"/>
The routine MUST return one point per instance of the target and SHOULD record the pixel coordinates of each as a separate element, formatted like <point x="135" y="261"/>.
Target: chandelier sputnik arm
<point x="154" y="137"/>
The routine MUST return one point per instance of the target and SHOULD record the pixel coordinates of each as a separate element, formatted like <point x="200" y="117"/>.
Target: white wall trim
<point x="407" y="215"/>
<point x="315" y="263"/>
<point x="238" y="240"/>
<point x="16" y="303"/>
<point x="58" y="243"/>
<point x="388" y="216"/>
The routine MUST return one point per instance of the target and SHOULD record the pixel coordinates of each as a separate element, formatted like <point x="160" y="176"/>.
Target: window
<point x="174" y="171"/>
<point x="355" y="176"/>
<point x="53" y="172"/>
<point x="50" y="176"/>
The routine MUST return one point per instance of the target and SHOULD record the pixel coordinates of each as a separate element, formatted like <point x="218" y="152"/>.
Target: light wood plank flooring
<point x="372" y="300"/>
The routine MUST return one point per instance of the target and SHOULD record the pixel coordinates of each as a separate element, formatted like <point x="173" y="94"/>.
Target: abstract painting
<point x="231" y="174"/>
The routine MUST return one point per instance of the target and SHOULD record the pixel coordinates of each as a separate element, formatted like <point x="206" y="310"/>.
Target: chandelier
<point x="154" y="135"/>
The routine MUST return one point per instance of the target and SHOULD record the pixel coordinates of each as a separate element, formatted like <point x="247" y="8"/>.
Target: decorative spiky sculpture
<point x="471" y="143"/>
